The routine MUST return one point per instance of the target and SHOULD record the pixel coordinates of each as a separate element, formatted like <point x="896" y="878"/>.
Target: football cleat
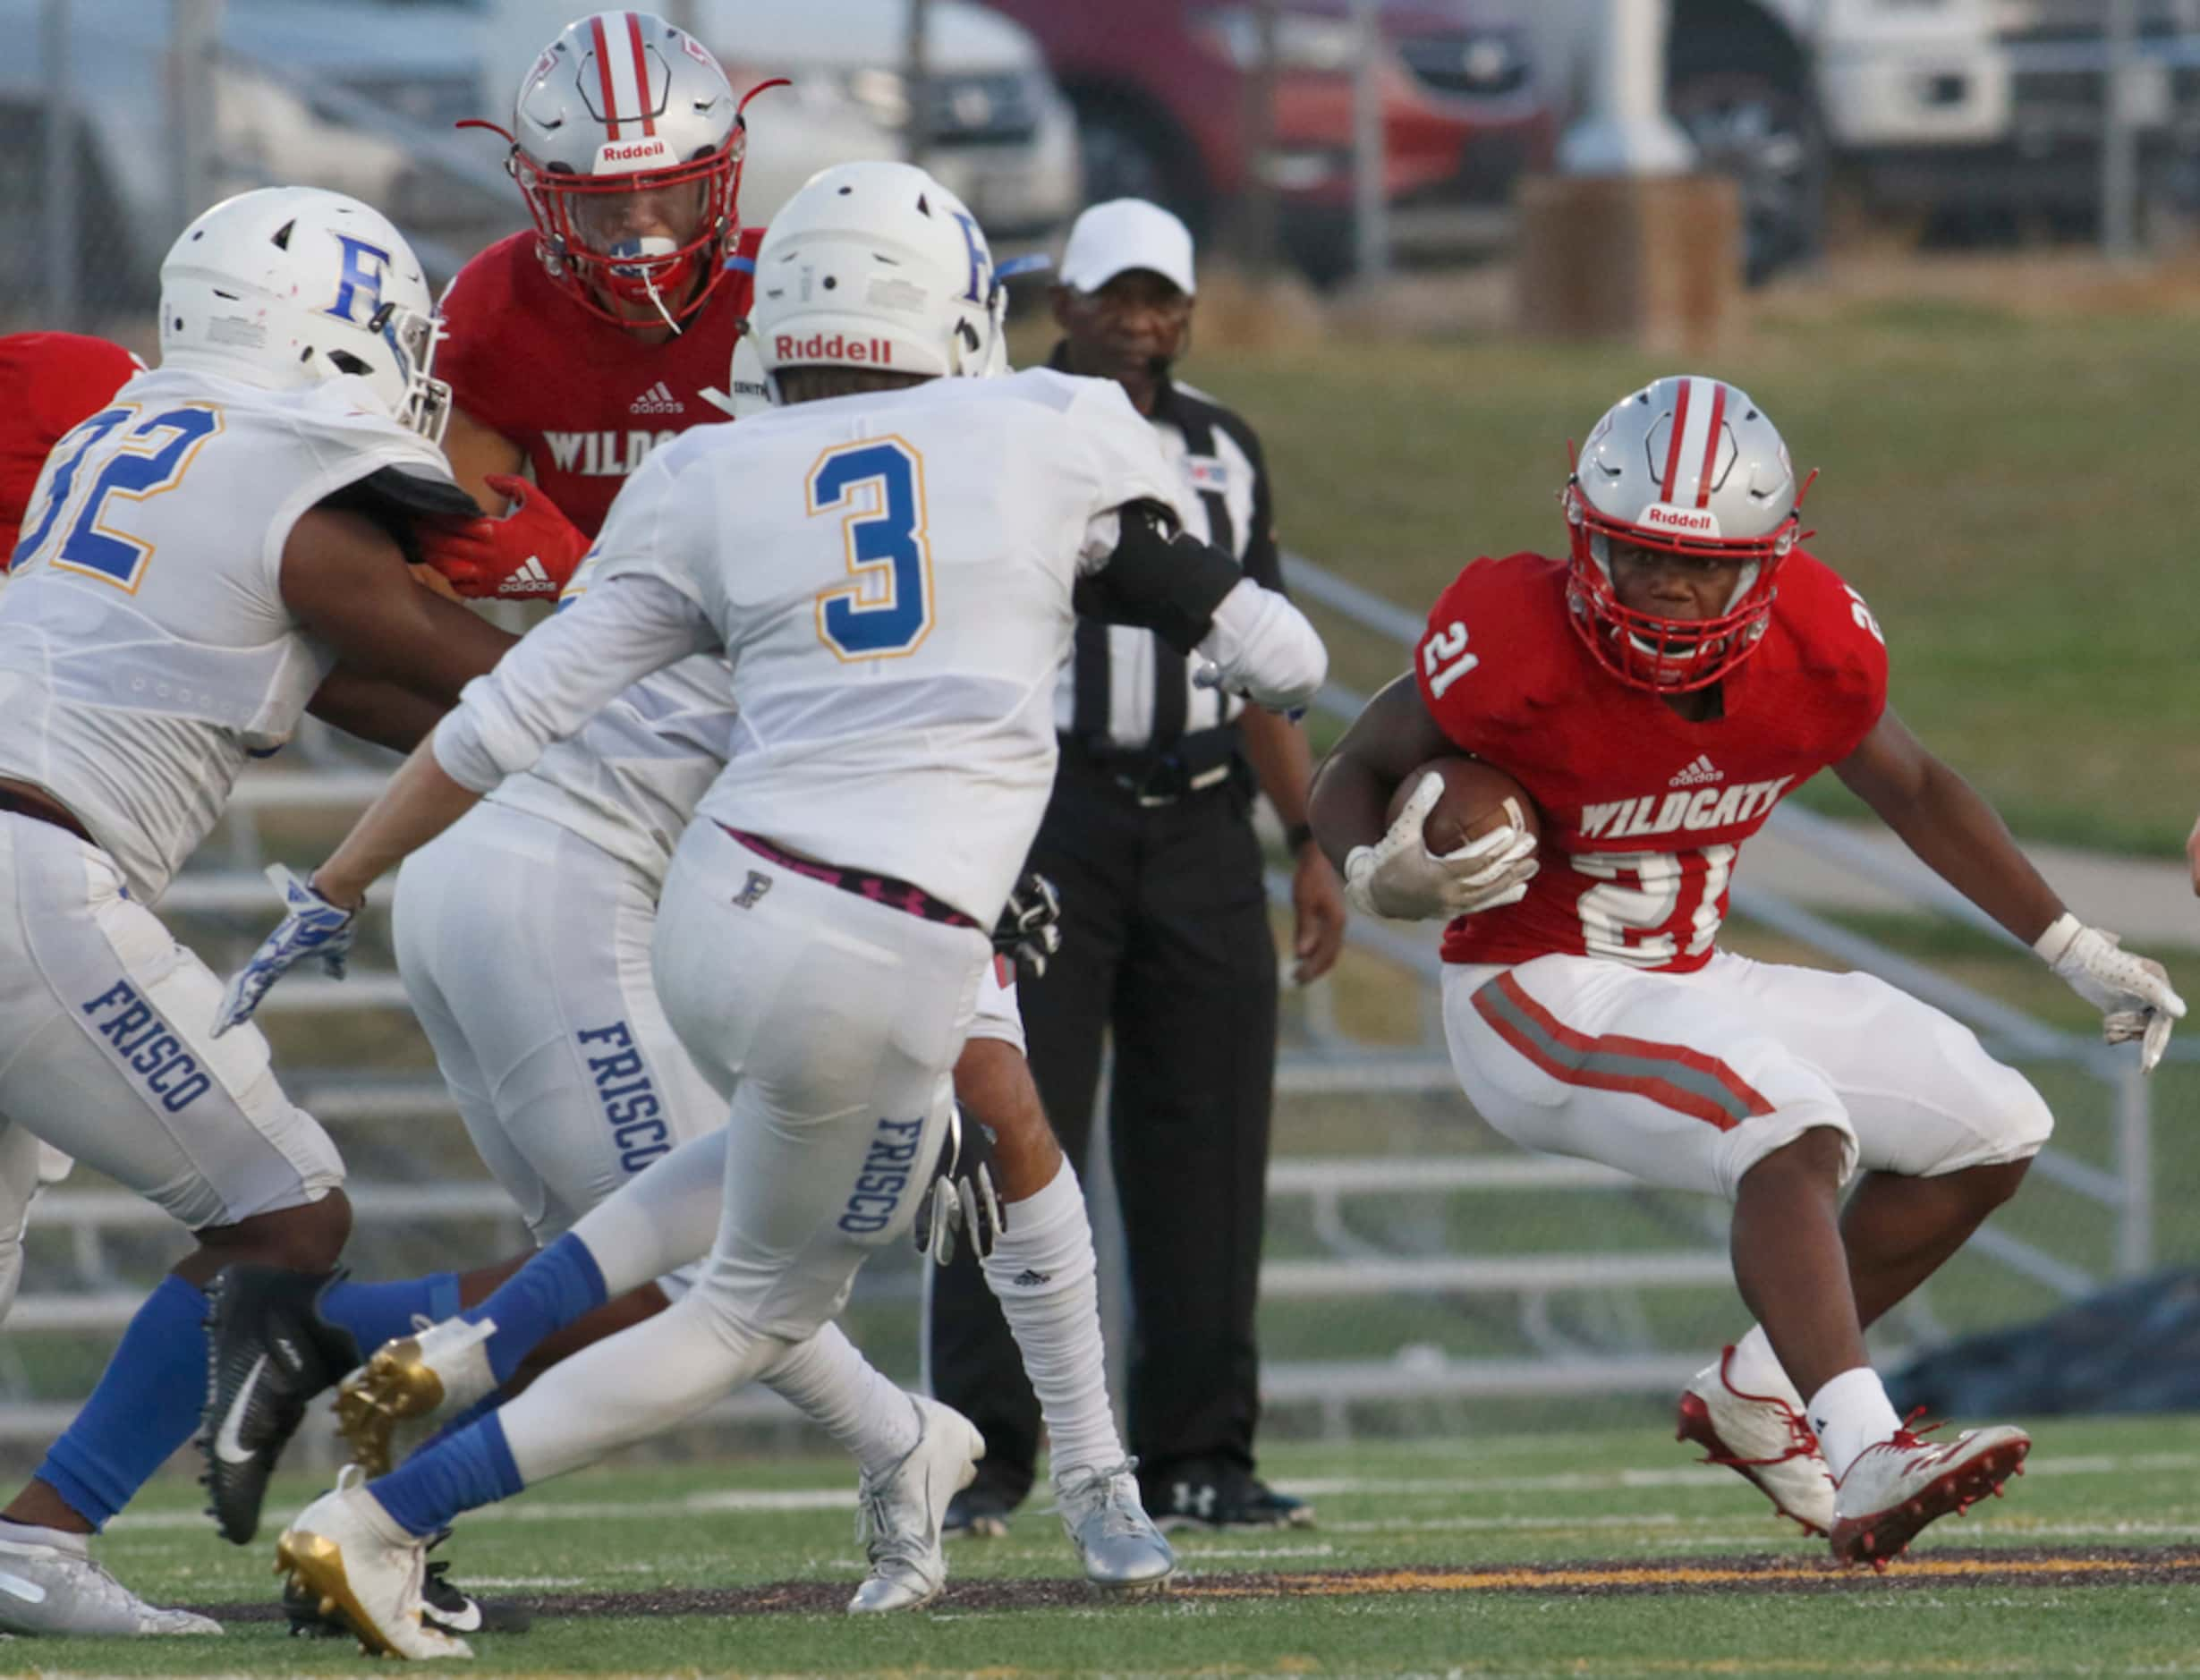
<point x="349" y="1559"/>
<point x="269" y="1353"/>
<point x="444" y="1608"/>
<point x="1121" y="1550"/>
<point x="1763" y="1436"/>
<point x="412" y="1386"/>
<point x="52" y="1586"/>
<point x="1212" y="1494"/>
<point x="898" y="1515"/>
<point x="1896" y="1487"/>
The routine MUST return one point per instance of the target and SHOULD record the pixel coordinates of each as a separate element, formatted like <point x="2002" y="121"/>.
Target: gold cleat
<point x="315" y="1563"/>
<point x="395" y="1385"/>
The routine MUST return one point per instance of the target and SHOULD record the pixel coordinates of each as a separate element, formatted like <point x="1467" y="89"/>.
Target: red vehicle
<point x="1160" y="87"/>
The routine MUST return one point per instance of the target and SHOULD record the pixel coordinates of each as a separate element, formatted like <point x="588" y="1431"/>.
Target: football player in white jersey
<point x="217" y="550"/>
<point x="891" y="573"/>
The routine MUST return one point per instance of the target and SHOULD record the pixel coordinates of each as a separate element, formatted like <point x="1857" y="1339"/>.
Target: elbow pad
<point x="1265" y="649"/>
<point x="1159" y="579"/>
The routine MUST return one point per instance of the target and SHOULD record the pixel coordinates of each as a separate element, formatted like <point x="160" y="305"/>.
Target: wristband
<point x="1297" y="837"/>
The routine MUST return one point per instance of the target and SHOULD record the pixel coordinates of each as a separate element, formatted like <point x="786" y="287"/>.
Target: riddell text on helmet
<point x="832" y="347"/>
<point x="1696" y="521"/>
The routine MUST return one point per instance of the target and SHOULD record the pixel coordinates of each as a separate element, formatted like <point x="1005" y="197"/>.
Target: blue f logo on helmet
<point x="365" y="267"/>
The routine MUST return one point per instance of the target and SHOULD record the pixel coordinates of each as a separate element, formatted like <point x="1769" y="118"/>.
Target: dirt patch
<point x="2043" y="1568"/>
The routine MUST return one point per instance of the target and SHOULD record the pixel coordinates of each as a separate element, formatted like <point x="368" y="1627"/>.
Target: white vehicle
<point x="999" y="134"/>
<point x="1974" y="105"/>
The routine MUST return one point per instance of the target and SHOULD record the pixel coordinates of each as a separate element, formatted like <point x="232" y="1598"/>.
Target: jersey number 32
<point x="144" y="460"/>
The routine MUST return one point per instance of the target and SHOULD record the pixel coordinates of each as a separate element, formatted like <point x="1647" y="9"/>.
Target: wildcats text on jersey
<point x="604" y="455"/>
<point x="1706" y="808"/>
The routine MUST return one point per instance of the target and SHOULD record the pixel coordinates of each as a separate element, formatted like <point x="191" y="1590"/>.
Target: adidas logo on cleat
<point x="1698" y="774"/>
<point x="658" y="399"/>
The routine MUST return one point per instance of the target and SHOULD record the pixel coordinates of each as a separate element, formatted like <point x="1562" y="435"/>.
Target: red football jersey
<point x="53" y="380"/>
<point x="585" y="399"/>
<point x="1643" y="810"/>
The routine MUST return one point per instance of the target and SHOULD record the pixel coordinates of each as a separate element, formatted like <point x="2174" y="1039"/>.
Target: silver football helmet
<point x="1685" y="465"/>
<point x="627" y="144"/>
<point x="287" y="286"/>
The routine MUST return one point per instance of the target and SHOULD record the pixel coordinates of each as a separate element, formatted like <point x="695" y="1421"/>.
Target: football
<point x="1477" y="798"/>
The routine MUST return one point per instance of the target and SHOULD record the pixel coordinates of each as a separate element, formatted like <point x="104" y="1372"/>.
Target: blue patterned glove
<point x="311" y="926"/>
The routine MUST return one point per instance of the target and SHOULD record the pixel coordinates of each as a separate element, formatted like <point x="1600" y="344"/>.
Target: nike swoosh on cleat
<point x="466" y="1621"/>
<point x="16" y="1587"/>
<point x="228" y="1443"/>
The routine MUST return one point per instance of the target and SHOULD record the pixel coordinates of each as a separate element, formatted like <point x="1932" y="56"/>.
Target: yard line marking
<point x="737" y="1501"/>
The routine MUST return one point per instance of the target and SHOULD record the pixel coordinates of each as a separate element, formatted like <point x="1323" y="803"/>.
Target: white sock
<point x="835" y="1387"/>
<point x="1756" y="1369"/>
<point x="1850" y="1413"/>
<point x="61" y="1540"/>
<point x="630" y="1387"/>
<point x="1043" y="1273"/>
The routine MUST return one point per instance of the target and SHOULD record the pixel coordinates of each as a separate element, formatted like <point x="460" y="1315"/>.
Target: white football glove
<point x="1399" y="877"/>
<point x="2133" y="993"/>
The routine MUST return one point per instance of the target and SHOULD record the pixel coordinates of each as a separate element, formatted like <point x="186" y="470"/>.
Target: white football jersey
<point x="890" y="577"/>
<point x="145" y="650"/>
<point x="629" y="782"/>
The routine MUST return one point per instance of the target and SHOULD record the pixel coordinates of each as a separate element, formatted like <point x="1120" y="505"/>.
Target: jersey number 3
<point x="151" y="457"/>
<point x="878" y="488"/>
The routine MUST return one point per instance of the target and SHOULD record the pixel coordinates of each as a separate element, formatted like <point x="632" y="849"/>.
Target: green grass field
<point x="2079" y="1572"/>
<point x="2012" y="494"/>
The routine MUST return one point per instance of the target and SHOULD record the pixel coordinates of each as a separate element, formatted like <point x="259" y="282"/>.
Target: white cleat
<point x="1896" y="1487"/>
<point x="1121" y="1550"/>
<point x="1763" y="1436"/>
<point x="898" y="1515"/>
<point x="346" y="1555"/>
<point x="52" y="1586"/>
<point x="410" y="1387"/>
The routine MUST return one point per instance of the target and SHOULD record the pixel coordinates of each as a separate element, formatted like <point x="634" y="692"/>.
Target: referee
<point x="1165" y="940"/>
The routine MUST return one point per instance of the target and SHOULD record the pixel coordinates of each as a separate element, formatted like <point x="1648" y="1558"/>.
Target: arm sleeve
<point x="1156" y="577"/>
<point x="1265" y="648"/>
<point x="563" y="673"/>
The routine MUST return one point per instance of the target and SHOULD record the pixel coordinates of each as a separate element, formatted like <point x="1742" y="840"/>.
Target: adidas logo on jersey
<point x="530" y="579"/>
<point x="658" y="399"/>
<point x="1701" y="771"/>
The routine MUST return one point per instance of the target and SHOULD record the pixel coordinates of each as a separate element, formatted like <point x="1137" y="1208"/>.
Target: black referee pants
<point x="1165" y="939"/>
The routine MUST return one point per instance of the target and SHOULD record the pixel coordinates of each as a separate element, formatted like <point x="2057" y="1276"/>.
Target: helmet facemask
<point x="584" y="221"/>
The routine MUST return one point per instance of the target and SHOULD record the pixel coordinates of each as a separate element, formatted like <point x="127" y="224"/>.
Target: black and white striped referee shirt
<point x="1126" y="689"/>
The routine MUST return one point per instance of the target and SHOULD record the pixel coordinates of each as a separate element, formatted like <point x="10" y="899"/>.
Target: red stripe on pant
<point x="1661" y="1092"/>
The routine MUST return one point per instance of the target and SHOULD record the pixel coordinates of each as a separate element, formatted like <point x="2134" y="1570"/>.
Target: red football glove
<point x="527" y="555"/>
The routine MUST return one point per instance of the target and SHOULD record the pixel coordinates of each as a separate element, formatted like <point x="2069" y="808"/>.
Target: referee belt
<point x="1197" y="763"/>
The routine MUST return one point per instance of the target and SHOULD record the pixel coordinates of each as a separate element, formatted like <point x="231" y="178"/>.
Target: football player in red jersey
<point x="1657" y="693"/>
<point x="576" y="349"/>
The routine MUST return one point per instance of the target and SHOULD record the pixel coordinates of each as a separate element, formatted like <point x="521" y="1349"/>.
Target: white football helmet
<point x="876" y="264"/>
<point x="287" y="286"/>
<point x="627" y="143"/>
<point x="1686" y="465"/>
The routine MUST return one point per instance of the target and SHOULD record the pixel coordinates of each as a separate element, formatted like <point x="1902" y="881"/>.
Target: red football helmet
<point x="1685" y="466"/>
<point x="627" y="144"/>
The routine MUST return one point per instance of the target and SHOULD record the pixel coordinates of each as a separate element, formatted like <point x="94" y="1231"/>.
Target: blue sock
<point x="376" y="1313"/>
<point x="561" y="1284"/>
<point x="471" y="1468"/>
<point x="147" y="1405"/>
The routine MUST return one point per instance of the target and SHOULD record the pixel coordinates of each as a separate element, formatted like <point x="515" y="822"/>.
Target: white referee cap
<point x="1125" y="233"/>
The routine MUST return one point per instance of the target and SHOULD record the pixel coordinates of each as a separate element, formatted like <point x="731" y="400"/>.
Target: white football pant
<point x="834" y="1022"/>
<point x="107" y="1051"/>
<point x="1687" y="1081"/>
